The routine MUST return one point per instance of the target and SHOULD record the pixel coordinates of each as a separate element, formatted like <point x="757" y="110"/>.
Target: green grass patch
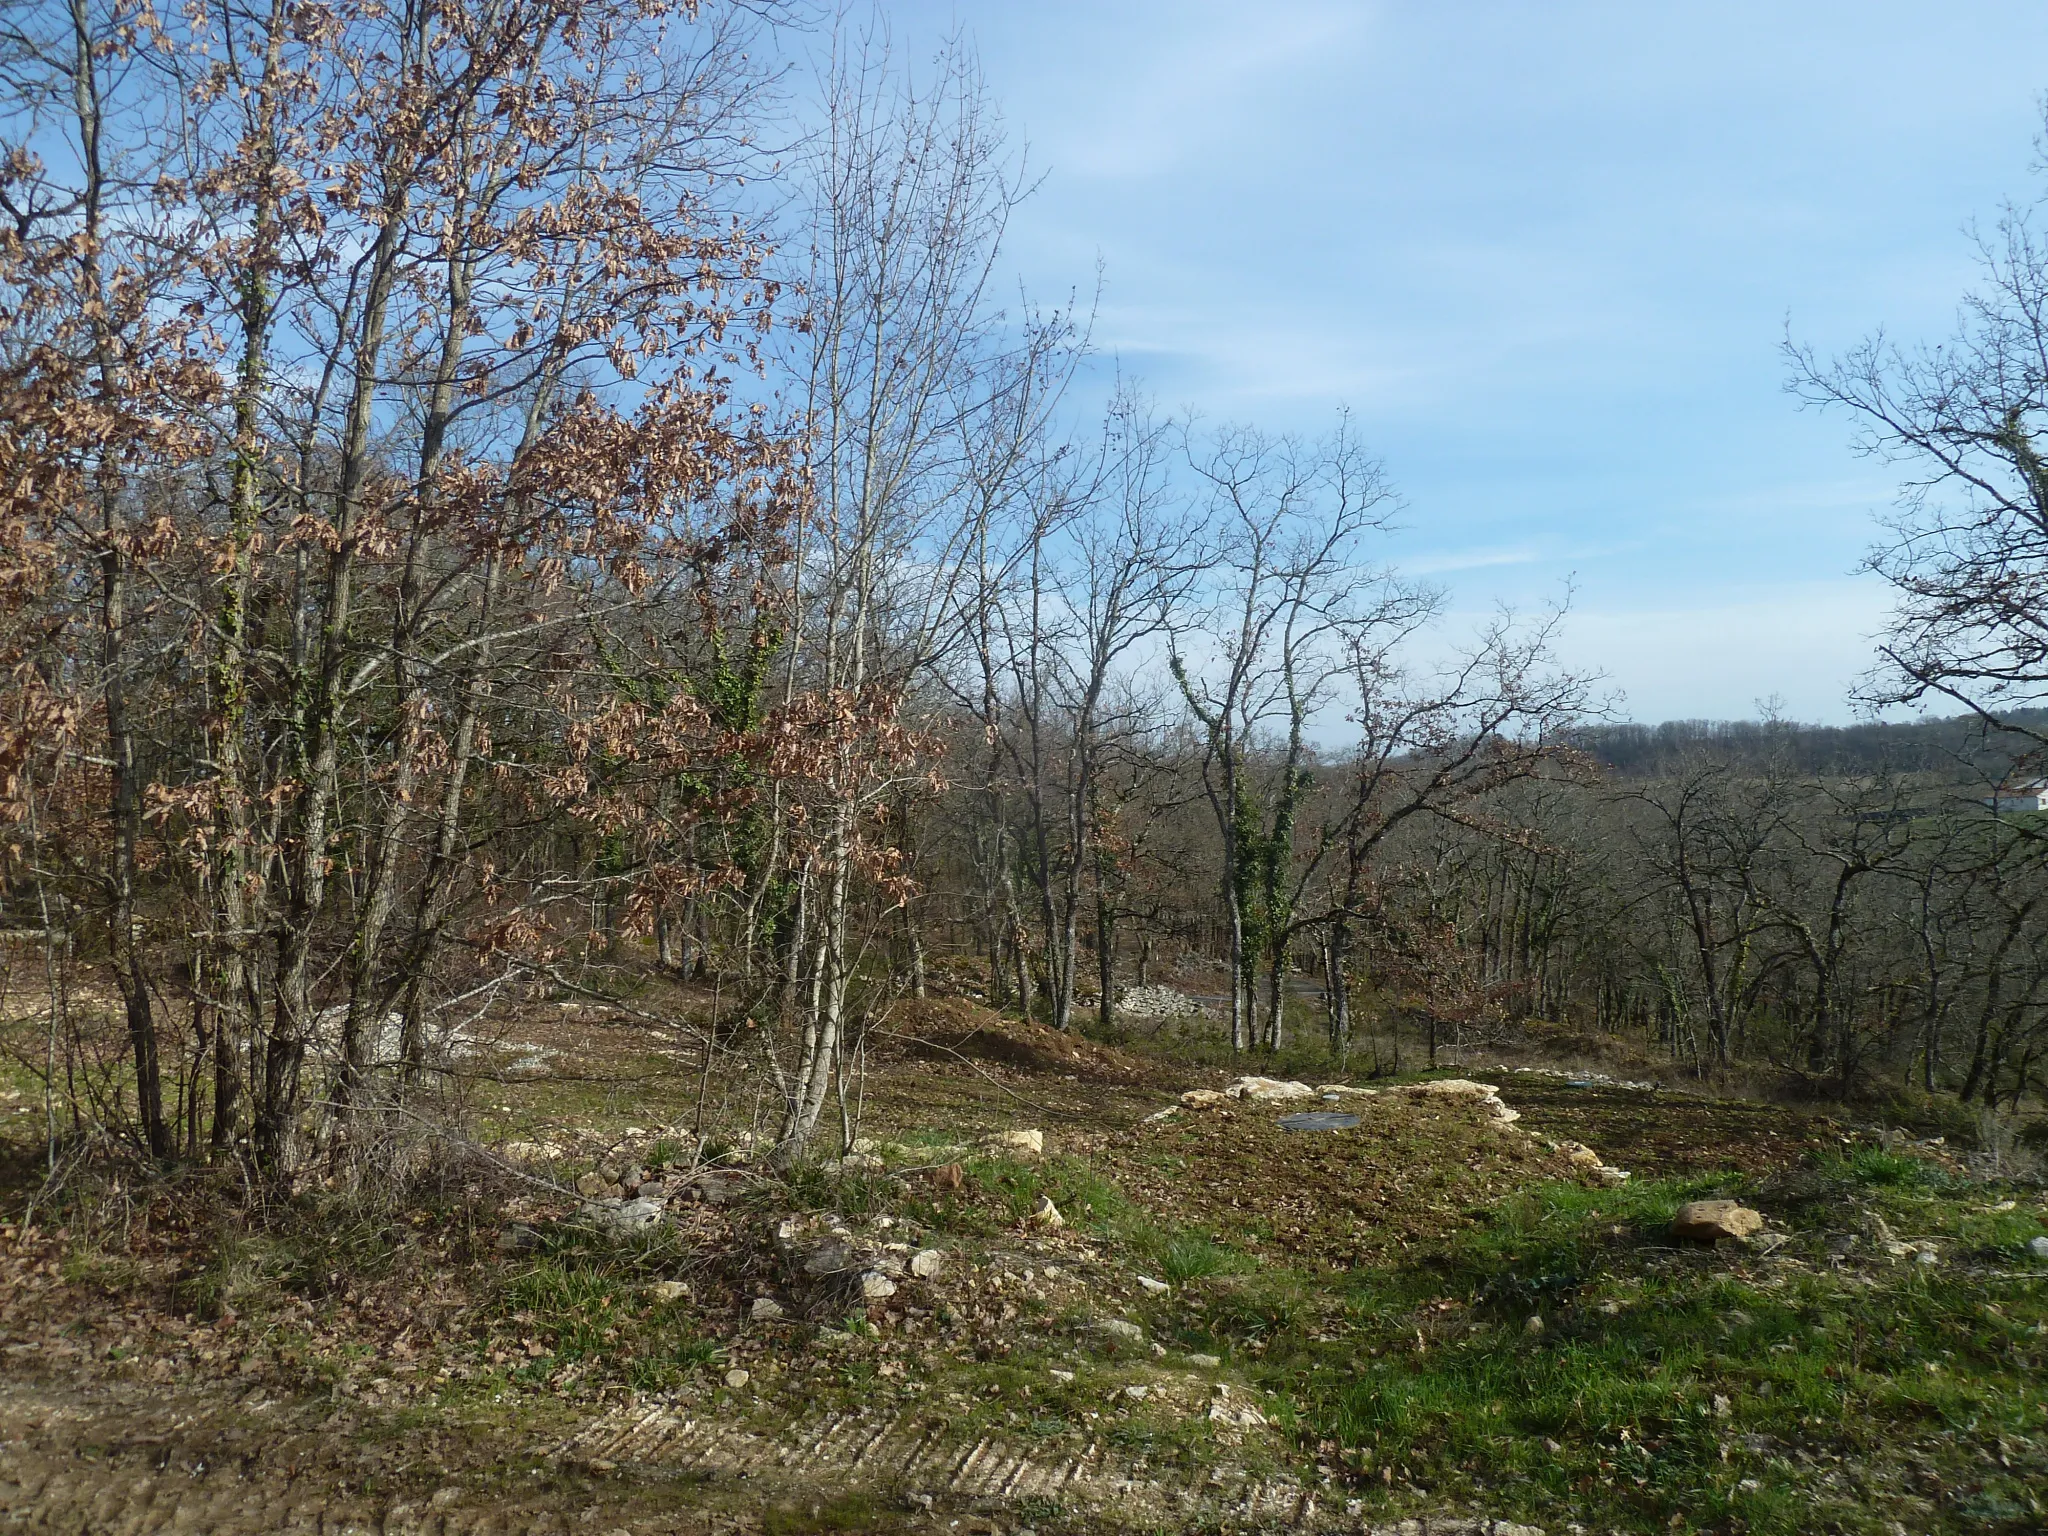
<point x="1876" y="1166"/>
<point x="1567" y="1362"/>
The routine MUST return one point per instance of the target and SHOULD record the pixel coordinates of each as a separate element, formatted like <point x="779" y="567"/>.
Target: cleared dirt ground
<point x="1233" y="1327"/>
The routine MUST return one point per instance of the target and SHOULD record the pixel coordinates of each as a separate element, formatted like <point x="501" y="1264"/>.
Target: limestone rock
<point x="1346" y="1091"/>
<point x="1267" y="1090"/>
<point x="766" y="1309"/>
<point x="592" y="1186"/>
<point x="1205" y="1362"/>
<point x="2038" y="1247"/>
<point x="1708" y="1220"/>
<point x="737" y="1379"/>
<point x="1017" y="1143"/>
<point x="831" y="1257"/>
<point x="926" y="1263"/>
<point x="876" y="1286"/>
<point x="1453" y="1088"/>
<point x="1200" y="1098"/>
<point x="717" y="1186"/>
<point x="622" y="1217"/>
<point x="1486" y="1095"/>
<point x="1156" y="1287"/>
<point x="1047" y="1215"/>
<point x="668" y="1290"/>
<point x="1117" y="1328"/>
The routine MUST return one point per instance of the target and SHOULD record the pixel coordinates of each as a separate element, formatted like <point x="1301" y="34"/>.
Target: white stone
<point x="1454" y="1088"/>
<point x="1205" y="1362"/>
<point x="668" y="1290"/>
<point x="1047" y="1215"/>
<point x="1117" y="1328"/>
<point x="1267" y="1090"/>
<point x="737" y="1379"/>
<point x="2038" y="1247"/>
<point x="766" y="1309"/>
<point x="1024" y="1143"/>
<point x="1138" y="1392"/>
<point x="926" y="1262"/>
<point x="1156" y="1287"/>
<point x="1235" y="1415"/>
<point x="1064" y="1378"/>
<point x="876" y="1286"/>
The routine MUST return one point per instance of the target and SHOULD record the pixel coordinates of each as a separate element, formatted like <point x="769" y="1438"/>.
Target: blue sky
<point x="1546" y="252"/>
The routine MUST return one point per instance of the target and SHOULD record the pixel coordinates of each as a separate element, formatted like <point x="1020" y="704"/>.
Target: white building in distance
<point x="2025" y="795"/>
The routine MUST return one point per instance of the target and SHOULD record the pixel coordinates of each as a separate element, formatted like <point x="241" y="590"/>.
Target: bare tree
<point x="1257" y="658"/>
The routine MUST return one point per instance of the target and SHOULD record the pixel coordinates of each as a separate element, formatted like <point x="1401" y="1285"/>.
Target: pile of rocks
<point x="625" y="1197"/>
<point x="1156" y="1002"/>
<point x="1269" y="1090"/>
<point x="828" y="1266"/>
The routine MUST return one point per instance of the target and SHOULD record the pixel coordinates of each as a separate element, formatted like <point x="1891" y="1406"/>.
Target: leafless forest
<point x="499" y="498"/>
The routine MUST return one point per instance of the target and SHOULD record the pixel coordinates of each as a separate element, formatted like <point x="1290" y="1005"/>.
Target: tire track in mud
<point x="919" y="1455"/>
<point x="141" y="1464"/>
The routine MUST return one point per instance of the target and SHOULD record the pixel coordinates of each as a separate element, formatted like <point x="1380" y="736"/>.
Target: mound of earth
<point x="1411" y="1171"/>
<point x="953" y="1028"/>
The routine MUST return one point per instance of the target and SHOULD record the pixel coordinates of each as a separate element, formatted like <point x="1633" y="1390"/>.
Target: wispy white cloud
<point x="1440" y="562"/>
<point x="1181" y="87"/>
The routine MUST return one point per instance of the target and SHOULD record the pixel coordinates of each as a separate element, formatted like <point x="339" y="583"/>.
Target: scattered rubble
<point x="1234" y="1412"/>
<point x="1585" y="1079"/>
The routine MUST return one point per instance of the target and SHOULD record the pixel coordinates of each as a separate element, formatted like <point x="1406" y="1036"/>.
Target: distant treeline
<point x="1956" y="745"/>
